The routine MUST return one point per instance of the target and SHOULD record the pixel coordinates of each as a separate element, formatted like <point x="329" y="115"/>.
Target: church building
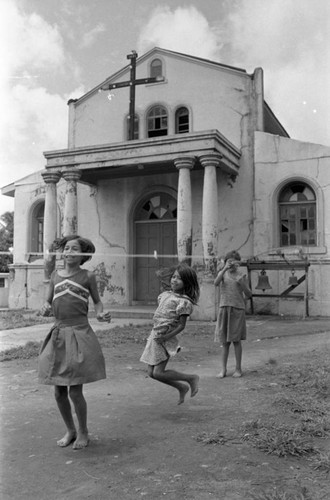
<point x="178" y="158"/>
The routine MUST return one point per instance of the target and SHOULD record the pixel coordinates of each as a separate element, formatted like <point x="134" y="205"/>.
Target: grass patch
<point x="21" y="318"/>
<point x="306" y="378"/>
<point x="28" y="351"/>
<point x="321" y="461"/>
<point x="313" y="414"/>
<point x="216" y="437"/>
<point x="303" y="393"/>
<point x="303" y="405"/>
<point x="277" y="439"/>
<point x="279" y="494"/>
<point x="136" y="334"/>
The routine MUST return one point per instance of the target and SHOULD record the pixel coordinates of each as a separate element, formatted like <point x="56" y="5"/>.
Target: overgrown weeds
<point x="277" y="439"/>
<point x="216" y="437"/>
<point x="136" y="334"/>
<point x="21" y="318"/>
<point x="280" y="494"/>
<point x="321" y="461"/>
<point x="304" y="378"/>
<point x="304" y="393"/>
<point x="28" y="351"/>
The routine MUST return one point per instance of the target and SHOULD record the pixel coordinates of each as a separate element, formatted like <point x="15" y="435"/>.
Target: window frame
<point x="157" y="117"/>
<point x="293" y="220"/>
<point x="36" y="232"/>
<point x="152" y="72"/>
<point x="320" y="247"/>
<point x="177" y="117"/>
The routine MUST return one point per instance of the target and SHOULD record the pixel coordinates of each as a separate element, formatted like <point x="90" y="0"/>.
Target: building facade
<point x="204" y="167"/>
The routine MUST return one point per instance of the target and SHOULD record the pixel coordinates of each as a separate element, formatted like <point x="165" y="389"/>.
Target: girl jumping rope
<point x="169" y="320"/>
<point x="70" y="355"/>
<point x="231" y="324"/>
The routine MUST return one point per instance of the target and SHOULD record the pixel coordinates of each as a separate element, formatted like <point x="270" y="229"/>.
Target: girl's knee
<point x="157" y="373"/>
<point x="75" y="392"/>
<point x="61" y="392"/>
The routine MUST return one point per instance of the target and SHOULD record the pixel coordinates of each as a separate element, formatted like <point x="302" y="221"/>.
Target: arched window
<point x="156" y="68"/>
<point x="157" y="121"/>
<point x="159" y="206"/>
<point x="181" y="120"/>
<point x="136" y="128"/>
<point x="297" y="215"/>
<point x="37" y="231"/>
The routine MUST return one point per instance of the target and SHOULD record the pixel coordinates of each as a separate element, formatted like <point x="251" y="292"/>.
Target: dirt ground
<point x="143" y="445"/>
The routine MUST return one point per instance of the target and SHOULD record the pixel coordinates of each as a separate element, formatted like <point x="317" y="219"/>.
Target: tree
<point x="6" y="240"/>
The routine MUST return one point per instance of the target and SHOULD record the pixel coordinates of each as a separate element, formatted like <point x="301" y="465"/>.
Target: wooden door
<point x="151" y="237"/>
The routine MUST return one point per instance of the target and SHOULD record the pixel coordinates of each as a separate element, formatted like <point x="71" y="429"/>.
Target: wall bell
<point x="293" y="280"/>
<point x="263" y="282"/>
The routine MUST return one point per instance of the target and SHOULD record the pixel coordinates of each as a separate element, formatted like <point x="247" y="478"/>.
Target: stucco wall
<point x="217" y="97"/>
<point x="278" y="161"/>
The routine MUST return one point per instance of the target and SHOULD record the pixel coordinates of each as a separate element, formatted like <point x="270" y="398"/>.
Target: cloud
<point x="33" y="119"/>
<point x="290" y="40"/>
<point x="89" y="38"/>
<point x="183" y="30"/>
<point x="27" y="40"/>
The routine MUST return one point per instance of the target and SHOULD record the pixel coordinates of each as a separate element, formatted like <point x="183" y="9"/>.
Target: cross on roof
<point x="132" y="82"/>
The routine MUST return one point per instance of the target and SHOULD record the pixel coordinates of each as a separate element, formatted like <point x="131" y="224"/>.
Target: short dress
<point x="71" y="353"/>
<point x="231" y="322"/>
<point x="166" y="318"/>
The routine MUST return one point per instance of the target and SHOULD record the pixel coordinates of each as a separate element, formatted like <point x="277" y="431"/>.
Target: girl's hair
<point x="188" y="276"/>
<point x="190" y="281"/>
<point x="233" y="254"/>
<point x="86" y="246"/>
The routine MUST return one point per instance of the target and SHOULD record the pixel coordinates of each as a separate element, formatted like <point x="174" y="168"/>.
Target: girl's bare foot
<point x="194" y="385"/>
<point x="82" y="441"/>
<point x="67" y="439"/>
<point x="237" y="373"/>
<point x="222" y="374"/>
<point x="182" y="393"/>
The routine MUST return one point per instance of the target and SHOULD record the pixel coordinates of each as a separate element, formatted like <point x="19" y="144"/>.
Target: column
<point x="210" y="210"/>
<point x="70" y="222"/>
<point x="50" y="220"/>
<point x="184" y="218"/>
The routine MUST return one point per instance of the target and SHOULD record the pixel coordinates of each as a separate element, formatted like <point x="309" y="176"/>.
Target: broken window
<point x="297" y="210"/>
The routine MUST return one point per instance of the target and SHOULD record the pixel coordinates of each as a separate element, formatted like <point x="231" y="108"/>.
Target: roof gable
<point x="124" y="72"/>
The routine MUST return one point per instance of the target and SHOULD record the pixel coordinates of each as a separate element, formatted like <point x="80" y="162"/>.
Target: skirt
<point x="70" y="355"/>
<point x="231" y="325"/>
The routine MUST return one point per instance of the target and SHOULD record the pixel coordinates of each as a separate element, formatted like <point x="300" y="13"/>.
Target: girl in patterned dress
<point x="231" y="323"/>
<point x="71" y="355"/>
<point x="170" y="318"/>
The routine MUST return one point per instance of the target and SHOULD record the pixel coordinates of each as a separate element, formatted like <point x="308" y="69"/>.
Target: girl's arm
<point x="218" y="279"/>
<point x="245" y="287"/>
<point x="46" y="309"/>
<point x="179" y="328"/>
<point x="98" y="305"/>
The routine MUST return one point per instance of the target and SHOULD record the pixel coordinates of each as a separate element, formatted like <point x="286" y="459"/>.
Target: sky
<point x="55" y="50"/>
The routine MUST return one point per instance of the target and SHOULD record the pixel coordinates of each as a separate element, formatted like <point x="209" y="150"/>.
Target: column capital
<point x="50" y="177"/>
<point x="71" y="174"/>
<point x="185" y="162"/>
<point x="210" y="160"/>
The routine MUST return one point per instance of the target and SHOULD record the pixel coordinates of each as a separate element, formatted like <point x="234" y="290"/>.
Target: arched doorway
<point x="154" y="231"/>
